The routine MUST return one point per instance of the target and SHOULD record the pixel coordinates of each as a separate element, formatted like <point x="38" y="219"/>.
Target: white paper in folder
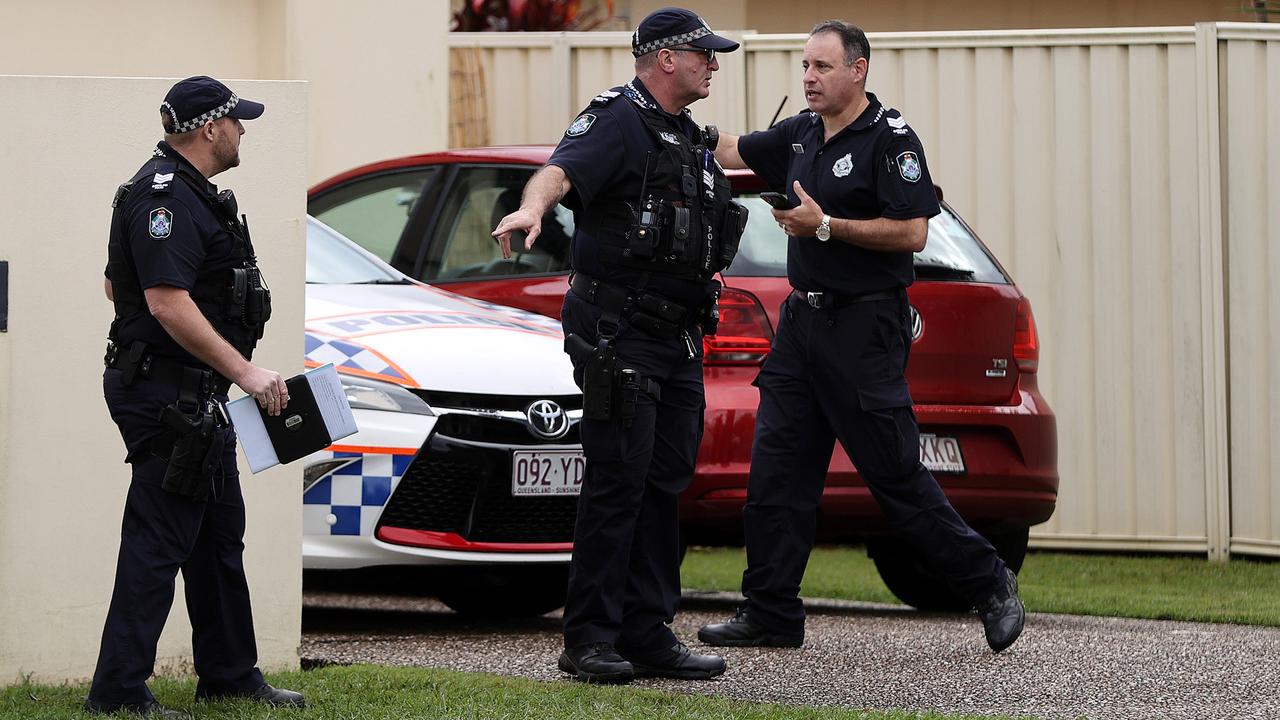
<point x="330" y="398"/>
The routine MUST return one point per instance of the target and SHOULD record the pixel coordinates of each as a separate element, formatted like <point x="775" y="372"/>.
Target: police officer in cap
<point x="861" y="198"/>
<point x="654" y="223"/>
<point x="190" y="305"/>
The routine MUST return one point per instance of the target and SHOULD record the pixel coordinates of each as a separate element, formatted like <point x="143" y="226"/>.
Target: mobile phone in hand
<point x="777" y="200"/>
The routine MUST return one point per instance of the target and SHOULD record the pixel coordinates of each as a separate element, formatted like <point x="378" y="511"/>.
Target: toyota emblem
<point x="547" y="420"/>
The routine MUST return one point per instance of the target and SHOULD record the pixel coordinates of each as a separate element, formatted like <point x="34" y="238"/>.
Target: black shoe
<point x="742" y="632"/>
<point x="596" y="663"/>
<point x="150" y="708"/>
<point x="677" y="662"/>
<point x="265" y="694"/>
<point x="1003" y="614"/>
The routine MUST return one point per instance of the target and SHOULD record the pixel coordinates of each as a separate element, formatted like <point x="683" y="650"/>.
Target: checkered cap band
<point x="200" y="120"/>
<point x="672" y="41"/>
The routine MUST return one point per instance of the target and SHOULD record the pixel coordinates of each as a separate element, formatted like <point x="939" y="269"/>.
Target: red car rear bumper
<point x="1009" y="453"/>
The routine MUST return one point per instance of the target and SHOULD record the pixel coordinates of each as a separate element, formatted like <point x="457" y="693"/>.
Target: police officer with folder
<point x="190" y="305"/>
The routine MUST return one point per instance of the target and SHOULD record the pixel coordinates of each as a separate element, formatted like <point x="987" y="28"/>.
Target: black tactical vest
<point x="229" y="291"/>
<point x="685" y="223"/>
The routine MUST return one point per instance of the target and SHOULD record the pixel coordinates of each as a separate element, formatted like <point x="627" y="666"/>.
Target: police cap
<point x="197" y="100"/>
<point x="671" y="26"/>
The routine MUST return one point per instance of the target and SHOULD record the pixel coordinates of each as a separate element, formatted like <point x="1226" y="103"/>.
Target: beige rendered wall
<point x="379" y="75"/>
<point x="62" y="476"/>
<point x="770" y="16"/>
<point x="379" y="69"/>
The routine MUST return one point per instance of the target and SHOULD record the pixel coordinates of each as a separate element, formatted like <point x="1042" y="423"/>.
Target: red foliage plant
<point x="515" y="15"/>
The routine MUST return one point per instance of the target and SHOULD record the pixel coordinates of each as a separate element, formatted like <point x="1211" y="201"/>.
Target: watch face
<point x="824" y="230"/>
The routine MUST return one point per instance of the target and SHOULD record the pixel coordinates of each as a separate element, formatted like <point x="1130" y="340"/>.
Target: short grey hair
<point x="851" y="36"/>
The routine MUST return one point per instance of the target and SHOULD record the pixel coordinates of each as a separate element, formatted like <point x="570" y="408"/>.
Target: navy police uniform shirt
<point x="604" y="154"/>
<point x="172" y="235"/>
<point x="873" y="168"/>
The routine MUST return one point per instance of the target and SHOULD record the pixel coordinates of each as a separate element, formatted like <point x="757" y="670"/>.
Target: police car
<point x="986" y="431"/>
<point x="467" y="456"/>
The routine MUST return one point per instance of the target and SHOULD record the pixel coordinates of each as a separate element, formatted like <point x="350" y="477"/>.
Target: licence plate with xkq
<point x="940" y="453"/>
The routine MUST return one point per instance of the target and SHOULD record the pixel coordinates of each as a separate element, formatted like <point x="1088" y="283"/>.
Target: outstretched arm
<point x="727" y="152"/>
<point x="544" y="189"/>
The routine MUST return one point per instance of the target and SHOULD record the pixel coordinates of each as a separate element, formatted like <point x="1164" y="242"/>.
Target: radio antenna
<point x="778" y="112"/>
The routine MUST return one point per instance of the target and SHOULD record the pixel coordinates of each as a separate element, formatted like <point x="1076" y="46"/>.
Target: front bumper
<point x="435" y="491"/>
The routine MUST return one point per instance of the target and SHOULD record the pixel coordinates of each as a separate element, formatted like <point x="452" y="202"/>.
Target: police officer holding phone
<point x="190" y="305"/>
<point x="655" y="222"/>
<point x="857" y="206"/>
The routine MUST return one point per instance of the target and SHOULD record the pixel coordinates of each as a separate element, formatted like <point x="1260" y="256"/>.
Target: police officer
<point x="654" y="223"/>
<point x="862" y="197"/>
<point x="190" y="306"/>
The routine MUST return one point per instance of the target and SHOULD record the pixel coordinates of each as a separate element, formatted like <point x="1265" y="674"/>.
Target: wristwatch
<point x="824" y="229"/>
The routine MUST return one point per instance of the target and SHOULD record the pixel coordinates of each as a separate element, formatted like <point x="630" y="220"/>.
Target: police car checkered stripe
<point x="195" y="122"/>
<point x="346" y="354"/>
<point x="349" y="500"/>
<point x="672" y="41"/>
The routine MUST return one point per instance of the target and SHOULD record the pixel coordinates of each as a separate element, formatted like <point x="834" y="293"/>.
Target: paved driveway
<point x="862" y="655"/>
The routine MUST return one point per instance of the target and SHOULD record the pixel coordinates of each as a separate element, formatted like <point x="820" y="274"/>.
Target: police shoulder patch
<point x="581" y="125"/>
<point x="160" y="223"/>
<point x="909" y="166"/>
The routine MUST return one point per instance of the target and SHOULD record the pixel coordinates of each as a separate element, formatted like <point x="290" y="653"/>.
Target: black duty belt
<point x="821" y="300"/>
<point x="650" y="311"/>
<point x="158" y="368"/>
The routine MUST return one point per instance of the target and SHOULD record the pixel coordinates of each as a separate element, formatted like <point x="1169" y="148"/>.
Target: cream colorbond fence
<point x="1125" y="178"/>
<point x="1248" y="60"/>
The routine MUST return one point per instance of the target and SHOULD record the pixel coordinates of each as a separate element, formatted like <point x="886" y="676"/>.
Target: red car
<point x="986" y="432"/>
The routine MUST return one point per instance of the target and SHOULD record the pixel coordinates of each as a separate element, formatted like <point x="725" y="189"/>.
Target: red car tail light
<point x="744" y="334"/>
<point x="1026" y="344"/>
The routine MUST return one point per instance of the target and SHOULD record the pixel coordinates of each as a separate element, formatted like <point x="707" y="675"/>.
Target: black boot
<point x="1003" y="614"/>
<point x="679" y="662"/>
<point x="596" y="663"/>
<point x="741" y="631"/>
<point x="265" y="694"/>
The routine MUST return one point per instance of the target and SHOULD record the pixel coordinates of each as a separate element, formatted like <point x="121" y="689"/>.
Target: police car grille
<point x="456" y="487"/>
<point x="502" y="517"/>
<point x="436" y="492"/>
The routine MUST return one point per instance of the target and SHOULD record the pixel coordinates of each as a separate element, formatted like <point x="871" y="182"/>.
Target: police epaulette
<point x="162" y="181"/>
<point x="122" y="192"/>
<point x="606" y="97"/>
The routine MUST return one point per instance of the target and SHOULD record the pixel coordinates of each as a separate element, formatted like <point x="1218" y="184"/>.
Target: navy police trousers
<point x="839" y="373"/>
<point x="624" y="579"/>
<point x="163" y="533"/>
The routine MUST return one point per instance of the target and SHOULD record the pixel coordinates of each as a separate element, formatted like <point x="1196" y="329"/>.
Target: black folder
<point x="299" y="429"/>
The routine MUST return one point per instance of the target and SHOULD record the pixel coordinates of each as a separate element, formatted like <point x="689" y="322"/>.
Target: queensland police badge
<point x="909" y="166"/>
<point x="581" y="125"/>
<point x="160" y="224"/>
<point x="843" y="166"/>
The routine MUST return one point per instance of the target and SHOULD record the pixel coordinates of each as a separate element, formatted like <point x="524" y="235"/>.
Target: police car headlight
<point x="364" y="394"/>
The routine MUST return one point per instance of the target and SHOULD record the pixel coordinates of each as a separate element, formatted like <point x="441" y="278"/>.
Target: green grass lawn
<point x="366" y="692"/>
<point x="1155" y="587"/>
